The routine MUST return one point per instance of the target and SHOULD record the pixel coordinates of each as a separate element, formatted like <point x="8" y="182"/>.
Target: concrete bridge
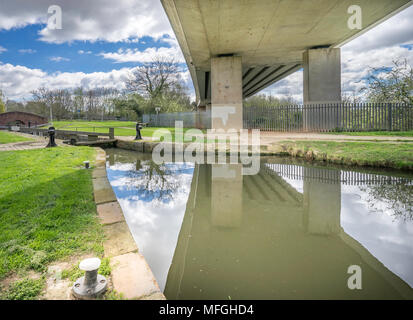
<point x="235" y="48"/>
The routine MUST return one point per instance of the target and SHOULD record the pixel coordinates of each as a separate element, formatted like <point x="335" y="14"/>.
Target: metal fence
<point x="198" y="119"/>
<point x="308" y="117"/>
<point x="344" y="177"/>
<point x="331" y="117"/>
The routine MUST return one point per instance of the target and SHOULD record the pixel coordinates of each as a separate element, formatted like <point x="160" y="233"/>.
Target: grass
<point x="376" y="133"/>
<point x="7" y="137"/>
<point x="47" y="210"/>
<point x="74" y="272"/>
<point x="122" y="128"/>
<point x="26" y="289"/>
<point x="377" y="154"/>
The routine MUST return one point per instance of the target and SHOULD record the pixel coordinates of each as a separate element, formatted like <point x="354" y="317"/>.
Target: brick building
<point x="21" y="118"/>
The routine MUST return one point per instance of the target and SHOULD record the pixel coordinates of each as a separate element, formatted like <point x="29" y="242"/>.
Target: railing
<point x="198" y="119"/>
<point x="308" y="117"/>
<point x="294" y="172"/>
<point x="70" y="133"/>
<point x="331" y="117"/>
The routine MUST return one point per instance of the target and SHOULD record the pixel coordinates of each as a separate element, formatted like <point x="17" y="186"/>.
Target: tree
<point x="393" y="84"/>
<point x="2" y="104"/>
<point x="132" y="102"/>
<point x="159" y="84"/>
<point x="262" y="100"/>
<point x="153" y="78"/>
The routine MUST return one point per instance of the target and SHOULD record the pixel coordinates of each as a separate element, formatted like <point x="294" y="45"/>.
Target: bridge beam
<point x="226" y="93"/>
<point x="322" y="85"/>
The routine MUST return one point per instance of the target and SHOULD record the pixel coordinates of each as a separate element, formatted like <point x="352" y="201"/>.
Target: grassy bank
<point x="376" y="133"/>
<point x="47" y="213"/>
<point x="122" y="128"/>
<point x="7" y="137"/>
<point x="386" y="155"/>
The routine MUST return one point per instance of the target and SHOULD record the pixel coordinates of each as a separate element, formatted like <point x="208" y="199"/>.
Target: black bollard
<point x="52" y="142"/>
<point x="138" y="132"/>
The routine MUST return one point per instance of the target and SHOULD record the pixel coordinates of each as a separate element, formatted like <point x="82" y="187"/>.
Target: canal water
<point x="292" y="231"/>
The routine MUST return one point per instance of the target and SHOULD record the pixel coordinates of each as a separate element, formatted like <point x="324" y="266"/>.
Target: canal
<point x="292" y="231"/>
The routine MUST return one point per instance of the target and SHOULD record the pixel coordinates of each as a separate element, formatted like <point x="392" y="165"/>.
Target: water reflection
<point x="289" y="232"/>
<point x="153" y="199"/>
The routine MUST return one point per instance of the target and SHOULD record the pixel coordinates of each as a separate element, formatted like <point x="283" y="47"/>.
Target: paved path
<point x="271" y="137"/>
<point x="36" y="143"/>
<point x="268" y="138"/>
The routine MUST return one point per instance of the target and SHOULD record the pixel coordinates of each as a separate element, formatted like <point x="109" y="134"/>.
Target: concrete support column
<point x="322" y="201"/>
<point x="322" y="85"/>
<point x="226" y="195"/>
<point x="226" y="93"/>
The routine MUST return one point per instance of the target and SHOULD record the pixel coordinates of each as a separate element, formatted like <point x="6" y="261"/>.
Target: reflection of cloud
<point x="154" y="224"/>
<point x="389" y="240"/>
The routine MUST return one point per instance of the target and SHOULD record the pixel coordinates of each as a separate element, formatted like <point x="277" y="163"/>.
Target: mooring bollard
<point x="52" y="142"/>
<point x="92" y="284"/>
<point x="86" y="163"/>
<point x="138" y="131"/>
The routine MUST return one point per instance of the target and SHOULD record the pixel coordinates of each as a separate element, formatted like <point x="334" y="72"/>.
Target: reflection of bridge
<point x="330" y="176"/>
<point x="256" y="237"/>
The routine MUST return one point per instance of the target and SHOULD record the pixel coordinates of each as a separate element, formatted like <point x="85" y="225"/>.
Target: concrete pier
<point x="322" y="85"/>
<point x="226" y="91"/>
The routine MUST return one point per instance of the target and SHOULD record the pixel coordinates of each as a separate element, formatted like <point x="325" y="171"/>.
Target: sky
<point x="101" y="41"/>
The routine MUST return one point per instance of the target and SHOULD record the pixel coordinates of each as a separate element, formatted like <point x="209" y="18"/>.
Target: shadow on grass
<point x="48" y="221"/>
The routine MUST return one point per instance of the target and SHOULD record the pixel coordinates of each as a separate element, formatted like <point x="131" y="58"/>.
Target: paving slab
<point x="99" y="172"/>
<point x="110" y="212"/>
<point x="155" y="296"/>
<point x="119" y="240"/>
<point x="132" y="277"/>
<point x="102" y="191"/>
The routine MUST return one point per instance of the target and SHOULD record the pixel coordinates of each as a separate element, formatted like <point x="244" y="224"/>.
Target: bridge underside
<point x="273" y="38"/>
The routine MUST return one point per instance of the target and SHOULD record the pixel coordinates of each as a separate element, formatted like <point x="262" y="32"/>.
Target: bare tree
<point x="152" y="79"/>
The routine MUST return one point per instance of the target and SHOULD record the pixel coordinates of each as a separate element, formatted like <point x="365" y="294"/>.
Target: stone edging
<point x="131" y="274"/>
<point x="276" y="149"/>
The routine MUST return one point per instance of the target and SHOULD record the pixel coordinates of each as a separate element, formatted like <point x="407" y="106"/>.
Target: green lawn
<point x="47" y="211"/>
<point x="376" y="133"/>
<point x="122" y="128"/>
<point x="379" y="154"/>
<point x="7" y="137"/>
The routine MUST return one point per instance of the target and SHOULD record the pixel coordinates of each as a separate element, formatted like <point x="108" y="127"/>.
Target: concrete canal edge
<point x="131" y="274"/>
<point x="281" y="148"/>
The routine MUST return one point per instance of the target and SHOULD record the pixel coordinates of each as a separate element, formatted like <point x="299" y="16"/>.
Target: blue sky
<point x="24" y="48"/>
<point x="101" y="41"/>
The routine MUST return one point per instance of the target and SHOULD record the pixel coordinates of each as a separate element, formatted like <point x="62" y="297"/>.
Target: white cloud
<point x="2" y="49"/>
<point x="376" y="48"/>
<point x="18" y="81"/>
<point x="28" y="51"/>
<point x="90" y="20"/>
<point x="84" y="52"/>
<point x="59" y="59"/>
<point x="147" y="55"/>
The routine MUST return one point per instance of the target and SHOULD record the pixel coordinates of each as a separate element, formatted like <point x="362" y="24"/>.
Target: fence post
<point x="111" y="133"/>
<point x="389" y="117"/>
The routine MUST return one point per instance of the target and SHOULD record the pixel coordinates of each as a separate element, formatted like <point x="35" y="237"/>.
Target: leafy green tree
<point x="2" y="104"/>
<point x="262" y="100"/>
<point x="393" y="84"/>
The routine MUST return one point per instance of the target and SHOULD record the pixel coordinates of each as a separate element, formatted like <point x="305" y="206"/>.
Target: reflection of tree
<point x="153" y="180"/>
<point x="397" y="197"/>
